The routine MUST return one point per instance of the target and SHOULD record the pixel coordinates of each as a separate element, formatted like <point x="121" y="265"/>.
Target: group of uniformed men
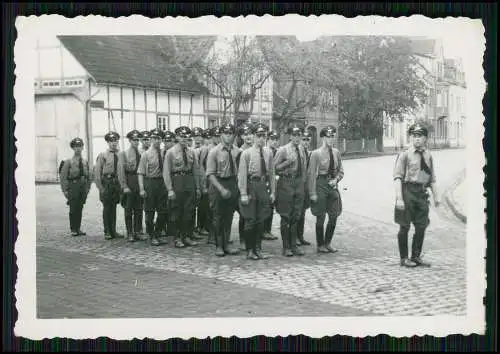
<point x="201" y="177"/>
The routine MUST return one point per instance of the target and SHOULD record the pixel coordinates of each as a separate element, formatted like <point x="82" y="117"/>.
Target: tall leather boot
<point x="219" y="240"/>
<point x="250" y="243"/>
<point x="258" y="241"/>
<point x="293" y="239"/>
<point x="105" y="221"/>
<point x="416" y="247"/>
<point x="129" y="226"/>
<point x="227" y="248"/>
<point x="330" y="229"/>
<point x="285" y="237"/>
<point x="300" y="231"/>
<point x="242" y="233"/>
<point x="320" y="242"/>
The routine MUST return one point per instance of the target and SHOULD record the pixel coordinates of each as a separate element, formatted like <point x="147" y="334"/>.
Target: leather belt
<point x="182" y="173"/>
<point x="257" y="178"/>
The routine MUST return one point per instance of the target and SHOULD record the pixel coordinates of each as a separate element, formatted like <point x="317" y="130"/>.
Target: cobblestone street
<point x="90" y="277"/>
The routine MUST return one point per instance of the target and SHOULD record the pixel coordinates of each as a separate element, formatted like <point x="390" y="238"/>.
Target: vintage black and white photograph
<point x="242" y="176"/>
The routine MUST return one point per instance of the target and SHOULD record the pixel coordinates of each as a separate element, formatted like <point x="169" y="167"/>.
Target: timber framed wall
<point x="123" y="108"/>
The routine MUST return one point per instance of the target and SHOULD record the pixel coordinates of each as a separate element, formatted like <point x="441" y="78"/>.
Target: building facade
<point x="89" y="85"/>
<point x="445" y="88"/>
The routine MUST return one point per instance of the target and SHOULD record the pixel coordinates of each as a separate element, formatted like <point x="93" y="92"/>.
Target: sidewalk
<point x="456" y="197"/>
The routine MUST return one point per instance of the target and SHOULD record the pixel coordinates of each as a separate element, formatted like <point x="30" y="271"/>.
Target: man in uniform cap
<point x="197" y="135"/>
<point x="145" y="144"/>
<point x="246" y="133"/>
<point x="128" y="162"/>
<point x="145" y="141"/>
<point x="206" y="200"/>
<point x="222" y="172"/>
<point x="108" y="184"/>
<point x="169" y="141"/>
<point x="306" y="141"/>
<point x="273" y="143"/>
<point x="152" y="188"/>
<point x="182" y="177"/>
<point x="75" y="184"/>
<point x="290" y="164"/>
<point x="255" y="172"/>
<point x="325" y="172"/>
<point x="413" y="174"/>
<point x="200" y="210"/>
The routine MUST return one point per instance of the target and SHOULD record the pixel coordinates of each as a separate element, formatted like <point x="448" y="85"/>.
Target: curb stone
<point x="450" y="200"/>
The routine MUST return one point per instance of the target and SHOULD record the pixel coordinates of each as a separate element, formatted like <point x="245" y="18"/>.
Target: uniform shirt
<point x="200" y="155"/>
<point x="288" y="152"/>
<point x="218" y="163"/>
<point x="71" y="171"/>
<point x="250" y="166"/>
<point x="174" y="162"/>
<point x="105" y="165"/>
<point x="128" y="162"/>
<point x="407" y="167"/>
<point x="319" y="164"/>
<point x="149" y="166"/>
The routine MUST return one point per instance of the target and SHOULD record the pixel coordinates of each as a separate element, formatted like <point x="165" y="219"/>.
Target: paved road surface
<point x="91" y="277"/>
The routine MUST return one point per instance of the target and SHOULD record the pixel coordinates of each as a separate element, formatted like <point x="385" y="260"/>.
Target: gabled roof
<point x="147" y="61"/>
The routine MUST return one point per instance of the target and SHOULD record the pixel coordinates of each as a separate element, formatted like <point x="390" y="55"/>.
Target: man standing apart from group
<point x="128" y="163"/>
<point x="75" y="184"/>
<point x="255" y="171"/>
<point x="325" y="172"/>
<point x="106" y="179"/>
<point x="223" y="188"/>
<point x="290" y="165"/>
<point x="413" y="174"/>
<point x="181" y="175"/>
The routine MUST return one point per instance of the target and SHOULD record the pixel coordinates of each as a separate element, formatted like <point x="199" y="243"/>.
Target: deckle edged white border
<point x="467" y="33"/>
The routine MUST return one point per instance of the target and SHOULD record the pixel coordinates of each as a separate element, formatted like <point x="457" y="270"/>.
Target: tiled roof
<point x="148" y="61"/>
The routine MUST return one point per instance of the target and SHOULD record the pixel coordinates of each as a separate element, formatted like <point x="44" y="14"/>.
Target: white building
<point x="89" y="85"/>
<point x="445" y="82"/>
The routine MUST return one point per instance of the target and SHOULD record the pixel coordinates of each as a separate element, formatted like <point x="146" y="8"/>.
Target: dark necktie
<point x="308" y="158"/>
<point x="80" y="166"/>
<point x="137" y="158"/>
<point x="299" y="162"/>
<point x="263" y="168"/>
<point x="160" y="164"/>
<point x="331" y="167"/>
<point x="231" y="162"/>
<point x="184" y="157"/>
<point x="115" y="162"/>
<point x="423" y="164"/>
